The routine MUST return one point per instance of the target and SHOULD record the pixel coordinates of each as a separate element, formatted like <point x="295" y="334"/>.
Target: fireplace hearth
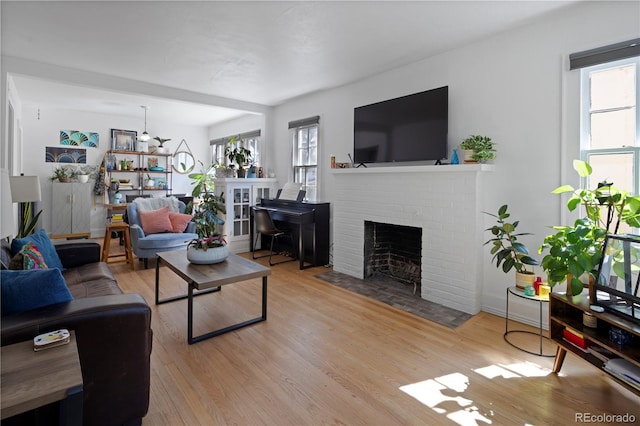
<point x="394" y="251"/>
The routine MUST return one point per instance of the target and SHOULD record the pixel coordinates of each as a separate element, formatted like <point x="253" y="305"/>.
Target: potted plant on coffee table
<point x="478" y="149"/>
<point x="508" y="251"/>
<point x="210" y="246"/>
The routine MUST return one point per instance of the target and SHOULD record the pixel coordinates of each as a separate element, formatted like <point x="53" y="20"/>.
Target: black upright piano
<point x="309" y="224"/>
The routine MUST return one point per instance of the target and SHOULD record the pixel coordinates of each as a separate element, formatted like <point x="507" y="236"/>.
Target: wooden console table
<point x="34" y="379"/>
<point x="567" y="312"/>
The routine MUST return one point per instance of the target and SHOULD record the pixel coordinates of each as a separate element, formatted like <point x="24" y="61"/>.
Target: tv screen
<point x="409" y="128"/>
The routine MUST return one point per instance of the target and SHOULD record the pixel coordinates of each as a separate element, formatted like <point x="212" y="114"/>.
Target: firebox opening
<point x="394" y="251"/>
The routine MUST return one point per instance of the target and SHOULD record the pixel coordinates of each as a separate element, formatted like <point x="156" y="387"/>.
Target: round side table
<point x="516" y="292"/>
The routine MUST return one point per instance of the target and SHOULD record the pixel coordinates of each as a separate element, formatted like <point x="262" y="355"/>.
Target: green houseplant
<point x="205" y="216"/>
<point x="237" y="154"/>
<point x="575" y="251"/>
<point x="62" y="174"/>
<point x="161" y="149"/>
<point x="507" y="250"/>
<point x="478" y="149"/>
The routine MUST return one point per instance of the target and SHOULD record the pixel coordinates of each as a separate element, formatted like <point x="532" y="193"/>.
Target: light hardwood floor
<point x="329" y="356"/>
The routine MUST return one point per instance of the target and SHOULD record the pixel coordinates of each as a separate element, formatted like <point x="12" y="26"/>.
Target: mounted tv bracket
<point x="353" y="164"/>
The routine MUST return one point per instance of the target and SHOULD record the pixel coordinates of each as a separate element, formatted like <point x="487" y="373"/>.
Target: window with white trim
<point x="250" y="140"/>
<point x="305" y="155"/>
<point x="610" y="118"/>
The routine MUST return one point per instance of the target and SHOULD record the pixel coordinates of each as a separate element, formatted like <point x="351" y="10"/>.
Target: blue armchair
<point x="146" y="246"/>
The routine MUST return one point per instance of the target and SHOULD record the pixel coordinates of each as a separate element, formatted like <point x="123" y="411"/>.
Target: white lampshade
<point x="145" y="137"/>
<point x="25" y="189"/>
<point x="7" y="224"/>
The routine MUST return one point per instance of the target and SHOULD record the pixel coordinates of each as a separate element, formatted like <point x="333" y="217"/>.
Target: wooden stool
<point x="128" y="254"/>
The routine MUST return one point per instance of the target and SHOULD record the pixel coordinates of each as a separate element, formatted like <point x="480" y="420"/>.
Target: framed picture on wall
<point x="123" y="140"/>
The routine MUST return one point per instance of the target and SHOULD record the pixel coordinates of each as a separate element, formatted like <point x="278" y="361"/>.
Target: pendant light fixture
<point x="145" y="136"/>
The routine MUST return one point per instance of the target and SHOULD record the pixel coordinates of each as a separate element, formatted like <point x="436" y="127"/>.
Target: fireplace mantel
<point x="445" y="201"/>
<point x="447" y="168"/>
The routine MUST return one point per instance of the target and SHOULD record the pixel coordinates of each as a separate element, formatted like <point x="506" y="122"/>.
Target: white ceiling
<point x="262" y="52"/>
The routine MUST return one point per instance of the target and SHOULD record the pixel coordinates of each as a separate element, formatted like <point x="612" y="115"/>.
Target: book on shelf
<point x="117" y="217"/>
<point x="601" y="353"/>
<point x="625" y="371"/>
<point x="575" y="338"/>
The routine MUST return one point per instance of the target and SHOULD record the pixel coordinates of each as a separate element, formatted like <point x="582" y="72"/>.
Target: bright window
<point x="610" y="136"/>
<point x="305" y="156"/>
<point x="249" y="140"/>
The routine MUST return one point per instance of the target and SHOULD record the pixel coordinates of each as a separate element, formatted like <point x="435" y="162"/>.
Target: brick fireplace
<point x="394" y="251"/>
<point x="443" y="201"/>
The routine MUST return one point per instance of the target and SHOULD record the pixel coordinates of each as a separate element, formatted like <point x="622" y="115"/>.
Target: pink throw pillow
<point x="155" y="221"/>
<point x="179" y="221"/>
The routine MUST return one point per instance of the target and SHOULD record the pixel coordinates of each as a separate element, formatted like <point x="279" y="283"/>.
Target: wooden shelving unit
<point x="140" y="171"/>
<point x="566" y="311"/>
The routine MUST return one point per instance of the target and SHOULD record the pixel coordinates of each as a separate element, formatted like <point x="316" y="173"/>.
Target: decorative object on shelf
<point x="251" y="173"/>
<point x="142" y="146"/>
<point x="577" y="249"/>
<point x="76" y="138"/>
<point x="478" y="149"/>
<point x="237" y="154"/>
<point x="618" y="283"/>
<point x="205" y="216"/>
<point x="82" y="178"/>
<point x="144" y="137"/>
<point x="123" y="140"/>
<point x="149" y="183"/>
<point x="26" y="190"/>
<point x="63" y="174"/>
<point x="508" y="251"/>
<point x="183" y="161"/>
<point x="454" y="157"/>
<point x="152" y="162"/>
<point x="161" y="148"/>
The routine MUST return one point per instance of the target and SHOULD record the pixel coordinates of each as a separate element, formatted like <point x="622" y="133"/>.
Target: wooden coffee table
<point x="207" y="279"/>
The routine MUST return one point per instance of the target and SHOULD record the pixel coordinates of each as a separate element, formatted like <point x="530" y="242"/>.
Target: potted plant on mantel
<point x="237" y="154"/>
<point x="508" y="251"/>
<point x="210" y="246"/>
<point x="478" y="149"/>
<point x="574" y="252"/>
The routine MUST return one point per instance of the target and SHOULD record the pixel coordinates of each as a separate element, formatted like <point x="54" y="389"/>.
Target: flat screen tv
<point x="409" y="128"/>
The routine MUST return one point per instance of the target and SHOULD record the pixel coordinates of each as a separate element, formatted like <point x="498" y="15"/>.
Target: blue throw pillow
<point x="41" y="240"/>
<point x="27" y="290"/>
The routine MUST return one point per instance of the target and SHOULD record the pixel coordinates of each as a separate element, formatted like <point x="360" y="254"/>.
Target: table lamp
<point x="26" y="190"/>
<point x="7" y="225"/>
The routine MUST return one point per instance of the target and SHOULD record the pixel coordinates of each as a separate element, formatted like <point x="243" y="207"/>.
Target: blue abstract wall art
<point x="77" y="138"/>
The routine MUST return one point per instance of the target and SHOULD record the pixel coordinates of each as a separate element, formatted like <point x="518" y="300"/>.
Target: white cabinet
<point x="71" y="210"/>
<point x="240" y="194"/>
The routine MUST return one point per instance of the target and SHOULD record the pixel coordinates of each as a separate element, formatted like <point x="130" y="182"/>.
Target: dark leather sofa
<point x="113" y="332"/>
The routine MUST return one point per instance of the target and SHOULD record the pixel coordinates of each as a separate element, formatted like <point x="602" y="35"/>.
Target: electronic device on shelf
<point x="408" y="128"/>
<point x="618" y="284"/>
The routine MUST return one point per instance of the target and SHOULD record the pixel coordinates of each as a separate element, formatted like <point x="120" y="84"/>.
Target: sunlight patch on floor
<point x="445" y="394"/>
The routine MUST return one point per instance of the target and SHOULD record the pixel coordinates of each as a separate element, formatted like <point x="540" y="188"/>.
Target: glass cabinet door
<point x="241" y="205"/>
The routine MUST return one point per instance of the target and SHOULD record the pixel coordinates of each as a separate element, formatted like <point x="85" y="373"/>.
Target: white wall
<point x="44" y="131"/>
<point x="515" y="88"/>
